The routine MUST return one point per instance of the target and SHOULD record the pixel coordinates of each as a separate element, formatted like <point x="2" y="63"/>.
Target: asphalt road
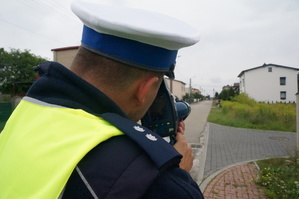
<point x="195" y="123"/>
<point x="196" y="135"/>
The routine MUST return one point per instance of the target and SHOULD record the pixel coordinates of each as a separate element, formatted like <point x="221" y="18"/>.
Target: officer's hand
<point x="184" y="148"/>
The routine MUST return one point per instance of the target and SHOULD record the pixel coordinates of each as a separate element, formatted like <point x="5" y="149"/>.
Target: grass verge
<point x="279" y="177"/>
<point x="244" y="112"/>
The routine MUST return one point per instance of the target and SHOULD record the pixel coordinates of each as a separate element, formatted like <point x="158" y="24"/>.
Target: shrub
<point x="244" y="99"/>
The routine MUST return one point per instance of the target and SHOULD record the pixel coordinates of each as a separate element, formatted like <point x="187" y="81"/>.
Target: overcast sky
<point x="235" y="34"/>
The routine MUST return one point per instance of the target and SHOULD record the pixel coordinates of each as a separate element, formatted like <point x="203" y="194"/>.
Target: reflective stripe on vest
<point x="41" y="145"/>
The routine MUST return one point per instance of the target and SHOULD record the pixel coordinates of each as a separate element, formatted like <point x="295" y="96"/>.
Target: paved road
<point x="195" y="123"/>
<point x="196" y="135"/>
<point x="218" y="147"/>
<point x="227" y="146"/>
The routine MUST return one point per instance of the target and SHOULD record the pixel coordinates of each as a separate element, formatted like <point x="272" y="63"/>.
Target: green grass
<point x="244" y="112"/>
<point x="279" y="177"/>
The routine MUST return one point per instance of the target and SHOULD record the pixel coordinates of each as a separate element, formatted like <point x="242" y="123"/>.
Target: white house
<point x="270" y="83"/>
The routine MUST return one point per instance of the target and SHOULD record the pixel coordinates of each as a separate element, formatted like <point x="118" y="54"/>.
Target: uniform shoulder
<point x="115" y="168"/>
<point x="174" y="183"/>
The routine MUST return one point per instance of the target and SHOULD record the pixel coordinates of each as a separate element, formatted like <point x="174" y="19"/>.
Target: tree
<point x="231" y="93"/>
<point x="223" y="95"/>
<point x="197" y="96"/>
<point x="227" y="94"/>
<point x="16" y="70"/>
<point x="186" y="97"/>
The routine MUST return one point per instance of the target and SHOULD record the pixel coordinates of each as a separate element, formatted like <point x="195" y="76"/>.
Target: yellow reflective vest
<point x="41" y="145"/>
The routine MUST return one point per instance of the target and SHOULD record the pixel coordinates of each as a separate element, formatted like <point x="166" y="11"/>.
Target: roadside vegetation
<point x="279" y="177"/>
<point x="244" y="112"/>
<point x="16" y="76"/>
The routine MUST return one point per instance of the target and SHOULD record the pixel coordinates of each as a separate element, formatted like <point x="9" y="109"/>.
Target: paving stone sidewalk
<point x="236" y="182"/>
<point x="222" y="153"/>
<point x="225" y="151"/>
<point x="228" y="146"/>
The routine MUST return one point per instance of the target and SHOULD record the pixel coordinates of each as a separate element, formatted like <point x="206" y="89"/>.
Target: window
<point x="282" y="80"/>
<point x="269" y="69"/>
<point x="283" y="95"/>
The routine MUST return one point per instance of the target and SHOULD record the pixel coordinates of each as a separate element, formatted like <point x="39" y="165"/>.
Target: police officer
<point x="75" y="134"/>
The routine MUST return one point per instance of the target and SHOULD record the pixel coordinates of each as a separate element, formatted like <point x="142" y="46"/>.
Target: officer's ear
<point x="147" y="89"/>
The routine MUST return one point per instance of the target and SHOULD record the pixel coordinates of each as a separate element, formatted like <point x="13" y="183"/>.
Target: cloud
<point x="235" y="35"/>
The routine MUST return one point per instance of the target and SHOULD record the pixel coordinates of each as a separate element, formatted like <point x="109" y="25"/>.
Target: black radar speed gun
<point x="165" y="113"/>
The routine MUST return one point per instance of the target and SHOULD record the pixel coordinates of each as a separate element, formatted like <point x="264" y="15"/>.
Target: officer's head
<point x="126" y="52"/>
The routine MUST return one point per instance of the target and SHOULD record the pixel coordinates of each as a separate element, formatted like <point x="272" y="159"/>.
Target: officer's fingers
<point x="181" y="128"/>
<point x="182" y="125"/>
<point x="180" y="136"/>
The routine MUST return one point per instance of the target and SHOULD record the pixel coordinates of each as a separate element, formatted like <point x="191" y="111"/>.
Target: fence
<point x="5" y="111"/>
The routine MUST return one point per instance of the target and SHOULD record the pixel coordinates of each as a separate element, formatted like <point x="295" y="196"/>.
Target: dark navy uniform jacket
<point x="128" y="166"/>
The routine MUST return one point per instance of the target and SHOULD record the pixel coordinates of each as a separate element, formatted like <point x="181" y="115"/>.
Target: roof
<point x="266" y="65"/>
<point x="65" y="48"/>
<point x="176" y="80"/>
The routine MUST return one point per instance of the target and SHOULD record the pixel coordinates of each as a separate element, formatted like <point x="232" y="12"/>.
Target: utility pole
<point x="190" y="91"/>
<point x="297" y="113"/>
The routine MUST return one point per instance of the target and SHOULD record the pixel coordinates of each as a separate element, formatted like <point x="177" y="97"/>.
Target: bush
<point x="244" y="99"/>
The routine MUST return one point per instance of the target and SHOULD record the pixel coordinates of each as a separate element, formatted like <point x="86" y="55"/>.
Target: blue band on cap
<point x="147" y="56"/>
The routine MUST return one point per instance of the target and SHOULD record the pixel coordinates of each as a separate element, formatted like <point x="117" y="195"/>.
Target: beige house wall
<point x="65" y="56"/>
<point x="176" y="87"/>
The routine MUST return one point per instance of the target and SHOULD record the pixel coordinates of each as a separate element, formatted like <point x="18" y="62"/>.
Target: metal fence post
<point x="297" y="113"/>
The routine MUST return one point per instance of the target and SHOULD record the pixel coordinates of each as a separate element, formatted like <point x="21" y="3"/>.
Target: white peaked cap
<point x="118" y="31"/>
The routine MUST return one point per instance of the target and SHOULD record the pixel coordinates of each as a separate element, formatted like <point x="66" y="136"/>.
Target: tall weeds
<point x="244" y="112"/>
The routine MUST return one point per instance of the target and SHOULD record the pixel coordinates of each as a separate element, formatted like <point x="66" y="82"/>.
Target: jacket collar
<point x="60" y="86"/>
